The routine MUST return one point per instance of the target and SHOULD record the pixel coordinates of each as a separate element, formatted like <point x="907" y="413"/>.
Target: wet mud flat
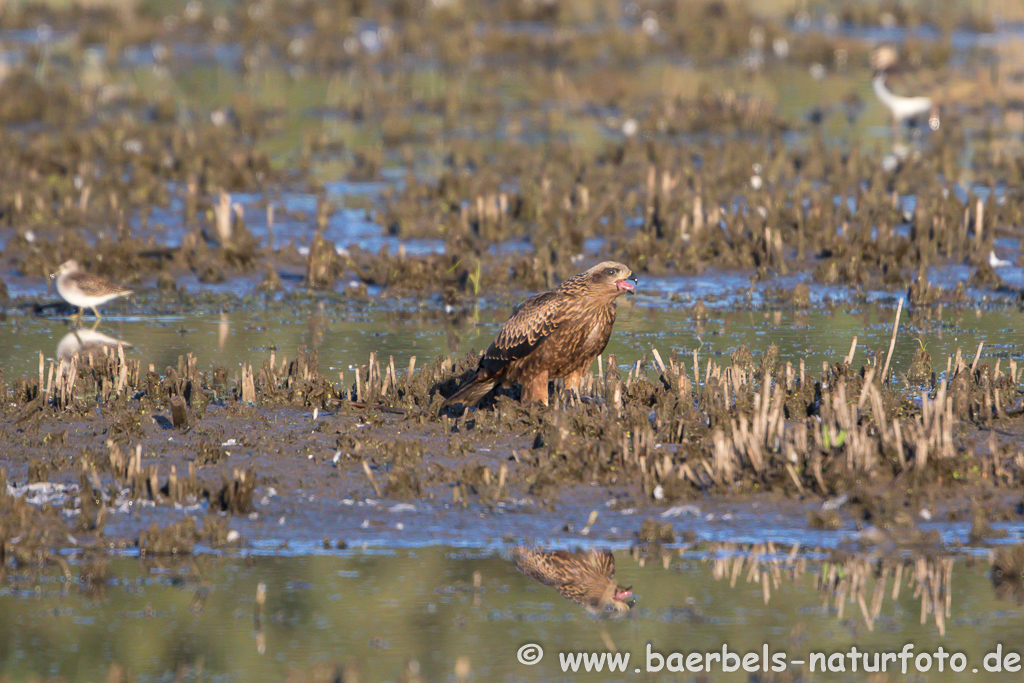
<point x="667" y="172"/>
<point x="323" y="155"/>
<point x="106" y="456"/>
<point x="510" y="175"/>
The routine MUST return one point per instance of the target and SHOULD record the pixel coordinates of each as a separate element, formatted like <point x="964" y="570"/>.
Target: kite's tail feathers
<point x="470" y="393"/>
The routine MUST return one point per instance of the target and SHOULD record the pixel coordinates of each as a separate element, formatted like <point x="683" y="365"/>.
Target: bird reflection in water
<point x="1007" y="574"/>
<point x="586" y="577"/>
<point x="86" y="343"/>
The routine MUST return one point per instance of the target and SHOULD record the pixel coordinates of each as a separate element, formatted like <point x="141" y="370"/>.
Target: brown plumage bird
<point x="85" y="290"/>
<point x="584" y="577"/>
<point x="550" y="335"/>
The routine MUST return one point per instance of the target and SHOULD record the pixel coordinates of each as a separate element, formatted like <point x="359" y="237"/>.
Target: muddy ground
<point x="537" y="133"/>
<point x="284" y="459"/>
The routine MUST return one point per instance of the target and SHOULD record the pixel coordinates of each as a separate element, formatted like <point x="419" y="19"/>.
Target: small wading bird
<point x="84" y="290"/>
<point x="905" y="109"/>
<point x="584" y="577"/>
<point x="550" y="335"/>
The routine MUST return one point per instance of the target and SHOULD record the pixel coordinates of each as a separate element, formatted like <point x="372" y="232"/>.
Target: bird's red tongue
<point x="624" y="284"/>
<point x="624" y="595"/>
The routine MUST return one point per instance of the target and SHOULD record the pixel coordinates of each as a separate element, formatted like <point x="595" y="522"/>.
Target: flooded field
<point x="804" y="433"/>
<point x="228" y="329"/>
<point x="442" y="613"/>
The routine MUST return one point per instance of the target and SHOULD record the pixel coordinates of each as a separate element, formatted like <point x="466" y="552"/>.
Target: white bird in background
<point x="997" y="262"/>
<point x="904" y="109"/>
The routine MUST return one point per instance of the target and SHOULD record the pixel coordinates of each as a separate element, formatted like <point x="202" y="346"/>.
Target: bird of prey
<point x="584" y="577"/>
<point x="550" y="335"/>
<point x="85" y="290"/>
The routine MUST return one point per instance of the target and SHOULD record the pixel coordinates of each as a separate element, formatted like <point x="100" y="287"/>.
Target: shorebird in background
<point x="905" y="109"/>
<point x="84" y="290"/>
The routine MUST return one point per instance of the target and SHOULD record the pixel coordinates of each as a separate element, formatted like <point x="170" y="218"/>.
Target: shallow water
<point x="376" y="611"/>
<point x="344" y="333"/>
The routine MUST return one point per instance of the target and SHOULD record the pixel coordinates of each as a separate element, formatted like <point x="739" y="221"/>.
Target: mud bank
<point x="106" y="455"/>
<point x="645" y="137"/>
<point x="668" y="144"/>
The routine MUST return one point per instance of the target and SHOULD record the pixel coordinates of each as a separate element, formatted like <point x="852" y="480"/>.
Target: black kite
<point x="550" y="335"/>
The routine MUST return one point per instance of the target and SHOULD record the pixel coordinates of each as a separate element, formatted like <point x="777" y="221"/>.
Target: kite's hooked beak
<point x="627" y="284"/>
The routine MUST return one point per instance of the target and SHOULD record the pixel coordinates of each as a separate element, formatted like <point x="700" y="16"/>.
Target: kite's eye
<point x="611" y="272"/>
